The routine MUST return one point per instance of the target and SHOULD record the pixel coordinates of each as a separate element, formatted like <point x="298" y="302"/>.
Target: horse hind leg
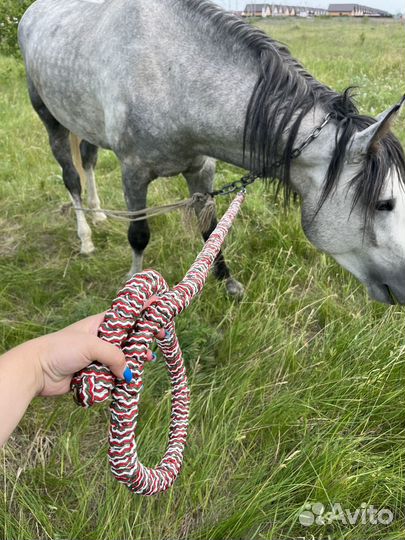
<point x="59" y="142"/>
<point x="86" y="153"/>
<point x="200" y="179"/>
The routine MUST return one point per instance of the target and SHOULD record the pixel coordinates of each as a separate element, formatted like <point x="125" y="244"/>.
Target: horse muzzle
<point x="387" y="293"/>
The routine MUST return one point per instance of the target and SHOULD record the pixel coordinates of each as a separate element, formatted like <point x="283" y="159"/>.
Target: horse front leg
<point x="136" y="184"/>
<point x="200" y="179"/>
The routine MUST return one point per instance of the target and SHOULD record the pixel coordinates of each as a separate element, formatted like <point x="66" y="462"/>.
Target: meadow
<point x="297" y="390"/>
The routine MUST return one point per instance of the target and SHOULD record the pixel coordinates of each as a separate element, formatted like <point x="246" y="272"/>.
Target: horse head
<point x="353" y="201"/>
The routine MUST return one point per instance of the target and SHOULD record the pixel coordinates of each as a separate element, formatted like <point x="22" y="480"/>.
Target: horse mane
<point x="283" y="95"/>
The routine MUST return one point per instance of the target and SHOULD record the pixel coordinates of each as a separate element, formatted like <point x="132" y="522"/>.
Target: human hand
<point x="61" y="354"/>
<point x="45" y="367"/>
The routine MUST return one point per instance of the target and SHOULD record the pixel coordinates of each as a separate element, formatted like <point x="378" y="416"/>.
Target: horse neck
<point x="217" y="121"/>
<point x="219" y="81"/>
<point x="221" y="130"/>
<point x="308" y="171"/>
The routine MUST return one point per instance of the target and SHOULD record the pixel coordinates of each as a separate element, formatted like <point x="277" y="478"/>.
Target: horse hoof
<point x="87" y="248"/>
<point x="99" y="217"/>
<point x="234" y="288"/>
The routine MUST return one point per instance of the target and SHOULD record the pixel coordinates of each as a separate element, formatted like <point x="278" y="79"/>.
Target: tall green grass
<point x="297" y="391"/>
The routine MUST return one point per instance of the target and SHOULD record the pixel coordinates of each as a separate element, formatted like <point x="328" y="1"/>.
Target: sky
<point x="393" y="6"/>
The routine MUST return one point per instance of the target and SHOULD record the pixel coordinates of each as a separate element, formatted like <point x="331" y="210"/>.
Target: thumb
<point x="106" y="353"/>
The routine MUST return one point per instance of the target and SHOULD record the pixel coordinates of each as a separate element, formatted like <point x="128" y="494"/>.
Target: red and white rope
<point x="133" y="328"/>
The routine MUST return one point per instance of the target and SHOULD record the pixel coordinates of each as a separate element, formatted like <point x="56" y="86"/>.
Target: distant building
<point x="257" y="10"/>
<point x="280" y="10"/>
<point x="355" y="10"/>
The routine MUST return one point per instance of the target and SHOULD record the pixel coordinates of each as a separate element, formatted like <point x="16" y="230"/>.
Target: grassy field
<point x="297" y="391"/>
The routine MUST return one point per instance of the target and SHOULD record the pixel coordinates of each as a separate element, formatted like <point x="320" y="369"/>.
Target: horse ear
<point x="368" y="139"/>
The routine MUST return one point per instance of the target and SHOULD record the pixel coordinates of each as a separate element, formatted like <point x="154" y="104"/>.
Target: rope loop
<point x="141" y="310"/>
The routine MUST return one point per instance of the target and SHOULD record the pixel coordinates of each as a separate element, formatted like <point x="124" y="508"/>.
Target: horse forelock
<point x="380" y="161"/>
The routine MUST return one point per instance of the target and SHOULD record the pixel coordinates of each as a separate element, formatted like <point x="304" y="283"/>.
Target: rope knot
<point x="204" y="203"/>
<point x="92" y="385"/>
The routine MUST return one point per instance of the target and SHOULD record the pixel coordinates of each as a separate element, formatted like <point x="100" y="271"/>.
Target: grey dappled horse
<point x="168" y="86"/>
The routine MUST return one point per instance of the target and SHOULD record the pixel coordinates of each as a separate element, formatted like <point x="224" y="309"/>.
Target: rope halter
<point x="133" y="328"/>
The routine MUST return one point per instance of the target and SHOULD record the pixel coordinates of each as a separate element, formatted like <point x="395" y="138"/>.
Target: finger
<point x="161" y="334"/>
<point x="150" y="356"/>
<point x="108" y="354"/>
<point x="149" y="301"/>
<point x="89" y="325"/>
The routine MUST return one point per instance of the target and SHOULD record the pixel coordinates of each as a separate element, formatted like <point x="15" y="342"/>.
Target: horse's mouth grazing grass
<point x="390" y="294"/>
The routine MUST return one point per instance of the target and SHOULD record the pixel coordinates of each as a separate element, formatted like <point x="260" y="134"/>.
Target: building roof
<point x="259" y="7"/>
<point x="342" y="7"/>
<point x="348" y="8"/>
<point x="256" y="7"/>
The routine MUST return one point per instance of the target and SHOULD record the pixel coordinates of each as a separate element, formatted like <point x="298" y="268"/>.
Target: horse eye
<point x="386" y="206"/>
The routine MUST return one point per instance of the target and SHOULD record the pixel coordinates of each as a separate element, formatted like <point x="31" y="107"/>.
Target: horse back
<point x="91" y="62"/>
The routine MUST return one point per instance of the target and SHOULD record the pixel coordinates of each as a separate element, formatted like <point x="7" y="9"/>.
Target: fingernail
<point x="128" y="375"/>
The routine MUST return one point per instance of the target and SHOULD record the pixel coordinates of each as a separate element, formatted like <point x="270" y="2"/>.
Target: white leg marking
<point x="83" y="229"/>
<point x="137" y="262"/>
<point x="92" y="196"/>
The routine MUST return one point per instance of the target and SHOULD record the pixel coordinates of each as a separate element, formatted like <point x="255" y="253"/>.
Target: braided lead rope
<point x="133" y="328"/>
